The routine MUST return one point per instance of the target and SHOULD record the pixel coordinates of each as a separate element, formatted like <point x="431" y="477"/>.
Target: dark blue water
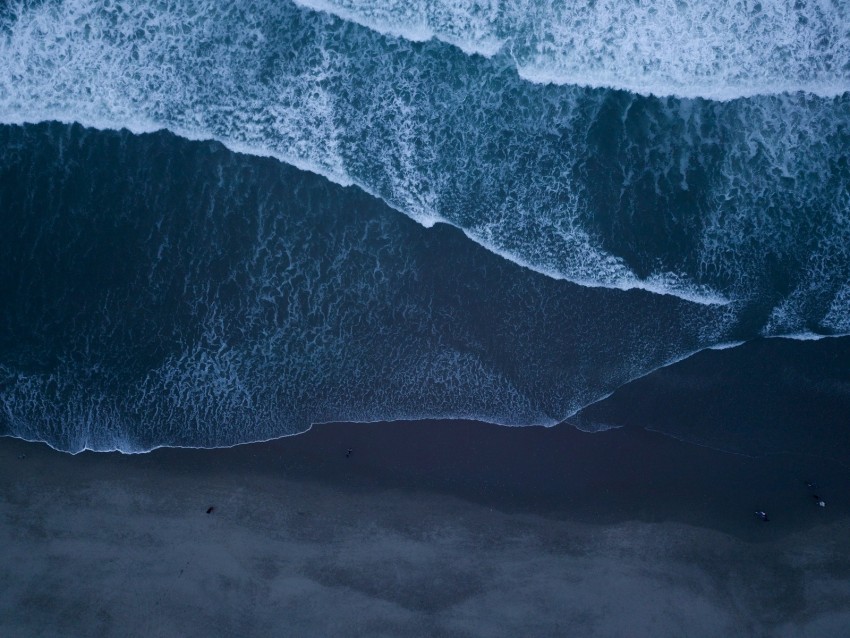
<point x="609" y="210"/>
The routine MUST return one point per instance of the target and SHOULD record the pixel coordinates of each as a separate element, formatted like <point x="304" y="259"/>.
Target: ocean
<point x="225" y="222"/>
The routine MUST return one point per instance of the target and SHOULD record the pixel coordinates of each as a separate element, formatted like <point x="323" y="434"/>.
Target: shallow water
<point x="159" y="291"/>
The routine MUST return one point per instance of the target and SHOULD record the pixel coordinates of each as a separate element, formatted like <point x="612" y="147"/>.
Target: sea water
<point x="223" y="222"/>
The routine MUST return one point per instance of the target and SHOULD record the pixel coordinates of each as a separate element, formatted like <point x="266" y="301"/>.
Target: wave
<point x="719" y="50"/>
<point x="163" y="292"/>
<point x="701" y="200"/>
<point x="183" y="295"/>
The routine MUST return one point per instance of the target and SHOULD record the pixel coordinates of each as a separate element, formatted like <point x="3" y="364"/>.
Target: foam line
<point x="719" y="50"/>
<point x="522" y="169"/>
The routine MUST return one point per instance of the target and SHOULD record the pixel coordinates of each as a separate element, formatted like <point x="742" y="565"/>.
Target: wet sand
<point x="427" y="529"/>
<point x="765" y="396"/>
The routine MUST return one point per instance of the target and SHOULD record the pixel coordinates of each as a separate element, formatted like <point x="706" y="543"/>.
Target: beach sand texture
<point x="418" y="534"/>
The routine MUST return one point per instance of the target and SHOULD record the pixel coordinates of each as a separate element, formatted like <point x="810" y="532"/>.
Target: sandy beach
<point x="426" y="529"/>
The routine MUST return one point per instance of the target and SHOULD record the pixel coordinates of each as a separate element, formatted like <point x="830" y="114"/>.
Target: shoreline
<point x="562" y="472"/>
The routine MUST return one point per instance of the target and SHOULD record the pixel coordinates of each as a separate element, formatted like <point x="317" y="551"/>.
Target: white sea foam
<point x="594" y="427"/>
<point x="443" y="138"/>
<point x="183" y="66"/>
<point x="837" y="317"/>
<point x="606" y="271"/>
<point x="720" y="50"/>
<point x="726" y="346"/>
<point x="440" y="139"/>
<point x="801" y="336"/>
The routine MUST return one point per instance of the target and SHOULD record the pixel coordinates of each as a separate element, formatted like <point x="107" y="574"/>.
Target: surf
<point x="721" y="50"/>
<point x="549" y="177"/>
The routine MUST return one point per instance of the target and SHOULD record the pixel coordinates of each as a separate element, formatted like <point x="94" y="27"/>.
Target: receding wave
<point x="720" y="50"/>
<point x="163" y="292"/>
<point x="702" y="200"/>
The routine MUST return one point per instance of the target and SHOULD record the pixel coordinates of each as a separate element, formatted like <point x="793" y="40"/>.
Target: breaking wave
<point x="164" y="292"/>
<point x="720" y="50"/>
<point x="601" y="188"/>
<point x="158" y="291"/>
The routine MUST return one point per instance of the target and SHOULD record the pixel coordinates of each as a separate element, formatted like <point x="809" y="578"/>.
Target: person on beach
<point x="813" y="486"/>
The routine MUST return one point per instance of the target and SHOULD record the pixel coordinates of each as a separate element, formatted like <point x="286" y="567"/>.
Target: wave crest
<point x="719" y="50"/>
<point x="703" y="200"/>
